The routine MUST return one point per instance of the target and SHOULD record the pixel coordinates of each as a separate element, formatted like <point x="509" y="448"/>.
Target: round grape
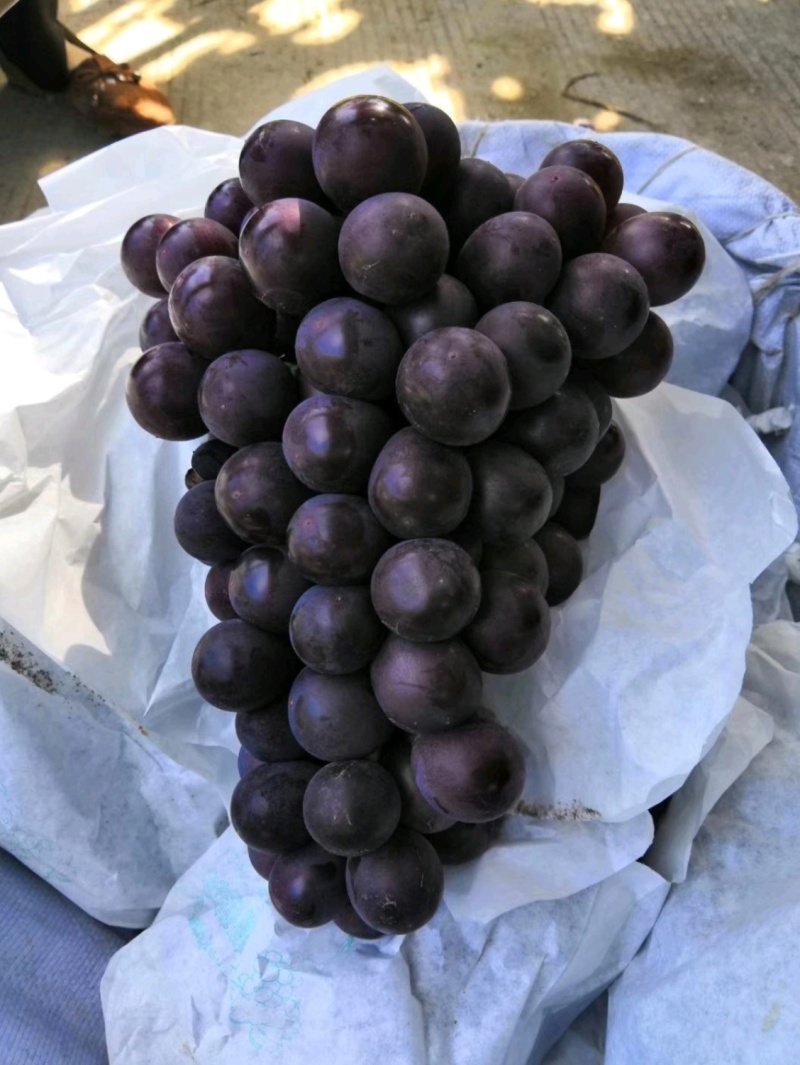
<point x="480" y="191"/>
<point x="604" y="461"/>
<point x="444" y="149"/>
<point x="216" y="591"/>
<point x="307" y="887"/>
<point x="156" y="328"/>
<point x="336" y="630"/>
<point x="265" y="733"/>
<point x="267" y="807"/>
<point x="352" y="808"/>
<point x="453" y="385"/>
<point x="187" y="241"/>
<point x="336" y="539"/>
<point x="594" y="159"/>
<point x="201" y="530"/>
<point x="571" y="201"/>
<point x="264" y="587"/>
<point x="560" y="433"/>
<point x="229" y="205"/>
<point x="275" y="163"/>
<point x="336" y="718"/>
<point x="449" y="303"/>
<point x="526" y="560"/>
<point x="511" y="494"/>
<point x="474" y="773"/>
<point x="665" y="248"/>
<point x="514" y="256"/>
<point x="424" y="687"/>
<point x="578" y="511"/>
<point x="367" y="145"/>
<point x="138" y="252"/>
<point x="416" y="811"/>
<point x="564" y="562"/>
<point x="236" y="666"/>
<point x="512" y="626"/>
<point x="397" y="888"/>
<point x="246" y="396"/>
<point x="162" y="392"/>
<point x="393" y="248"/>
<point x="257" y="493"/>
<point x="641" y="367"/>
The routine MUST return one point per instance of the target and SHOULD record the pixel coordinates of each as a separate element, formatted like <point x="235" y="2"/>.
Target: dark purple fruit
<point x="246" y="396"/>
<point x="571" y="201"/>
<point x="265" y="733"/>
<point x="474" y="773"/>
<point x="156" y="328"/>
<point x="642" y="366"/>
<point x="307" y="887"/>
<point x="257" y="493"/>
<point x="352" y="808"/>
<point x="666" y="249"/>
<point x="138" y="252"/>
<point x="450" y="303"/>
<point x="267" y="806"/>
<point x="187" y="241"/>
<point x="397" y="888"/>
<point x="418" y="487"/>
<point x="560" y="433"/>
<point x="336" y="539"/>
<point x="275" y="162"/>
<point x="216" y="591"/>
<point x="162" y="392"/>
<point x="264" y="587"/>
<point x="426" y="590"/>
<point x="416" y="811"/>
<point x="229" y="205"/>
<point x="335" y="629"/>
<point x="536" y="349"/>
<point x="594" y="159"/>
<point x="512" y="626"/>
<point x="393" y="248"/>
<point x="424" y="687"/>
<point x="367" y="145"/>
<point x="236" y="666"/>
<point x="201" y="530"/>
<point x="453" y="385"/>
<point x="564" y="562"/>
<point x="604" y="462"/>
<point x="514" y="256"/>
<point x="511" y="493"/>
<point x="336" y="719"/>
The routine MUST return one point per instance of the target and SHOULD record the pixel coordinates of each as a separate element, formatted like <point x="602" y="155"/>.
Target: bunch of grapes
<point x="404" y="361"/>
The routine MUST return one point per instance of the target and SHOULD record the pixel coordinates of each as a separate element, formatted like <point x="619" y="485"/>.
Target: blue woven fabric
<point x="52" y="956"/>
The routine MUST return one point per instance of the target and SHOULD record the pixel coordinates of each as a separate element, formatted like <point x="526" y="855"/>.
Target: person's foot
<point x="116" y="99"/>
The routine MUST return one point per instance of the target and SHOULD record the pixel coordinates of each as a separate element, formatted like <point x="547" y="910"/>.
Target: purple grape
<point x="526" y="560"/>
<point x="558" y="485"/>
<point x="156" y="328"/>
<point x="449" y="303"/>
<point x="367" y="145"/>
<point x="666" y="249"/>
<point x="336" y="718"/>
<point x="480" y="191"/>
<point x="307" y="887"/>
<point x="514" y="182"/>
<point x="267" y="807"/>
<point x="246" y="762"/>
<point x="593" y="159"/>
<point x="237" y="667"/>
<point x="213" y="309"/>
<point x="348" y="348"/>
<point x="642" y="366"/>
<point x="216" y="591"/>
<point x="257" y="493"/>
<point x="188" y="241"/>
<point x="331" y="442"/>
<point x="393" y="248"/>
<point x="288" y="250"/>
<point x="621" y="213"/>
<point x="560" y="433"/>
<point x="335" y="630"/>
<point x="564" y="562"/>
<point x="209" y="458"/>
<point x="416" y="811"/>
<point x="578" y="511"/>
<point x="571" y="201"/>
<point x="536" y="348"/>
<point x="191" y="479"/>
<point x="514" y="256"/>
<point x="336" y="539"/>
<point x="265" y="733"/>
<point x="275" y="163"/>
<point x="512" y="626"/>
<point x="138" y="252"/>
<point x="475" y="773"/>
<point x="589" y="384"/>
<point x="425" y="687"/>
<point x="463" y="842"/>
<point x="468" y="539"/>
<point x="419" y="488"/>
<point x="264" y="587"/>
<point x="444" y="149"/>
<point x="604" y="461"/>
<point x="351" y="924"/>
<point x="352" y="808"/>
<point x="453" y="385"/>
<point x="511" y="493"/>
<point x="228" y="204"/>
<point x="201" y="530"/>
<point x="262" y="861"/>
<point x="397" y="889"/>
<point x="602" y="303"/>
<point x="162" y="392"/>
<point x="426" y="590"/>
<point x="246" y="396"/>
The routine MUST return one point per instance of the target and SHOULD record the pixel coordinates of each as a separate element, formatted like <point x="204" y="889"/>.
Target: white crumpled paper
<point x="718" y="979"/>
<point x="644" y="666"/>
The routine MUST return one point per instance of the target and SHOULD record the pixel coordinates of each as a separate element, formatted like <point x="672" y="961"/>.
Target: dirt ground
<point x="723" y="73"/>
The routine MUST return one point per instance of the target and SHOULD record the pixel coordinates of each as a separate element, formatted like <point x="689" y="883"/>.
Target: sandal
<point x="115" y="99"/>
